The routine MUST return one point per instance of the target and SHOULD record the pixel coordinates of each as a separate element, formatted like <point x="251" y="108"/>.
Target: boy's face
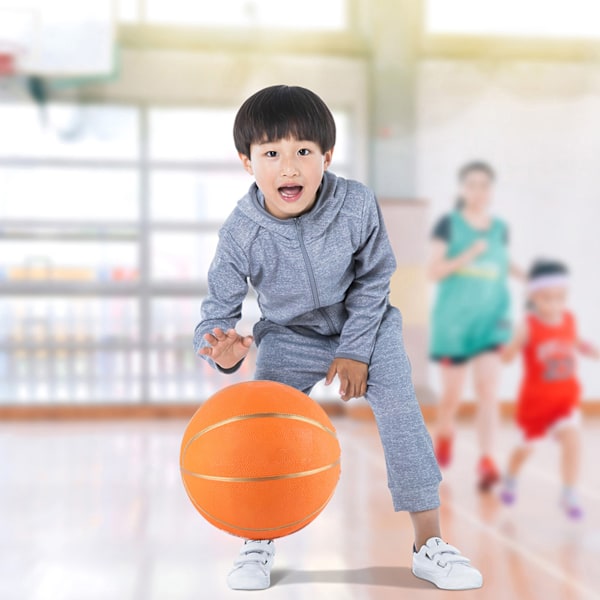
<point x="550" y="302"/>
<point x="288" y="173"/>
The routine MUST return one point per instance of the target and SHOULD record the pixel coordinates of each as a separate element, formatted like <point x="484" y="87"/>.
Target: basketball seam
<point x="265" y="478"/>
<point x="257" y="530"/>
<point x="255" y="416"/>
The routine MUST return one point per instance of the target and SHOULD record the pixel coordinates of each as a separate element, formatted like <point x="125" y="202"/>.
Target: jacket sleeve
<point x="227" y="288"/>
<point x="367" y="298"/>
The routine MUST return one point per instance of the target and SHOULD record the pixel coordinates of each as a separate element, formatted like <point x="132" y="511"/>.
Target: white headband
<point x="546" y="281"/>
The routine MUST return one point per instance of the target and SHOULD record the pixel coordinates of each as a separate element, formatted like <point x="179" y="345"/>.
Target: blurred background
<point x="117" y="165"/>
<point x="117" y="168"/>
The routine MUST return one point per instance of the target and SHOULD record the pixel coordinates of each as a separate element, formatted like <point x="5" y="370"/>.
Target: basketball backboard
<point x="58" y="38"/>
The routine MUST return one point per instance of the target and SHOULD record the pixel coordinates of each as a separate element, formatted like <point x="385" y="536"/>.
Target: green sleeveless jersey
<point x="472" y="305"/>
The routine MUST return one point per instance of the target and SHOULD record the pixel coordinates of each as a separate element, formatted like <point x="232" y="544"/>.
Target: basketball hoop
<point x="17" y="34"/>
<point x="60" y="39"/>
<point x="10" y="54"/>
<point x="7" y="64"/>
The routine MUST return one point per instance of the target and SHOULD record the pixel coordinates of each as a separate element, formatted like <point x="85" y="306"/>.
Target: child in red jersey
<point x="548" y="402"/>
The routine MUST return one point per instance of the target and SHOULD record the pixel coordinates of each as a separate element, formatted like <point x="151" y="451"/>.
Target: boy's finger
<point x="330" y="374"/>
<point x="344" y="383"/>
<point x="351" y="391"/>
<point x="359" y="387"/>
<point x="211" y="339"/>
<point x="205" y="351"/>
<point x="218" y="333"/>
<point x="247" y="341"/>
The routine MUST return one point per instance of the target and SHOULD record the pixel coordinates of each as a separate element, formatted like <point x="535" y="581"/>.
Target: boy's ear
<point x="327" y="157"/>
<point x="246" y="163"/>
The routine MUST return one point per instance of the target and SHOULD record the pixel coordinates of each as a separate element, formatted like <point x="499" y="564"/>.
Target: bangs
<point x="282" y="112"/>
<point x="286" y="127"/>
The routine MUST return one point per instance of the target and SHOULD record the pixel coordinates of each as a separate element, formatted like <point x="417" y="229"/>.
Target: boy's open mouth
<point x="290" y="193"/>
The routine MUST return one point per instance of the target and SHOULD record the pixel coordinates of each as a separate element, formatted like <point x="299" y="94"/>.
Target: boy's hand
<point x="352" y="375"/>
<point x="227" y="349"/>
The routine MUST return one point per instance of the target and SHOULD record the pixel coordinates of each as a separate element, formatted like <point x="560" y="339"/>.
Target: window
<point x="182" y="256"/>
<point x="68" y="349"/>
<point x="532" y="18"/>
<point x="188" y="196"/>
<point x="310" y="15"/>
<point x="69" y="131"/>
<point x="192" y="134"/>
<point x="77" y="193"/>
<point x="106" y="245"/>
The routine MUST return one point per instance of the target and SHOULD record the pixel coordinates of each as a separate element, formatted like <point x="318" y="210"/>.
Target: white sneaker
<point x="252" y="570"/>
<point x="445" y="566"/>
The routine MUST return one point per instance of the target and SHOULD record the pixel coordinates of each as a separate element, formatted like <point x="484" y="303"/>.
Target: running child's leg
<point x="453" y="383"/>
<point x="486" y="376"/>
<point x="519" y="455"/>
<point x="508" y="492"/>
<point x="570" y="442"/>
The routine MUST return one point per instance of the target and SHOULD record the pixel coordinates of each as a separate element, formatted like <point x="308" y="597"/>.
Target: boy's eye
<point x="304" y="152"/>
<point x="271" y="153"/>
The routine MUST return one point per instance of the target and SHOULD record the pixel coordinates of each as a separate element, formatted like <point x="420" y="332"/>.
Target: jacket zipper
<point x="311" y="275"/>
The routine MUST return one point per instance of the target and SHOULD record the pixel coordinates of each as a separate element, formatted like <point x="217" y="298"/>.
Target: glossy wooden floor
<point x="97" y="511"/>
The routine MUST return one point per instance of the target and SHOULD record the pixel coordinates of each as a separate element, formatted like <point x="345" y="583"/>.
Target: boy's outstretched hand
<point x="227" y="348"/>
<point x="352" y="375"/>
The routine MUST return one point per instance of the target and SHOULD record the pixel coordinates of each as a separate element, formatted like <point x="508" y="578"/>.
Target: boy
<point x="315" y="249"/>
<point x="550" y="391"/>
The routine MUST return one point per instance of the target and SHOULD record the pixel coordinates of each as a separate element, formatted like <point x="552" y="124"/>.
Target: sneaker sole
<point x="249" y="585"/>
<point x="455" y="587"/>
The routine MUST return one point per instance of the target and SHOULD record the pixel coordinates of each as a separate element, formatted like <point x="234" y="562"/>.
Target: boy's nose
<point x="289" y="169"/>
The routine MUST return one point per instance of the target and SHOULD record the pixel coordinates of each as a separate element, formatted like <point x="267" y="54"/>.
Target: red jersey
<point x="550" y="389"/>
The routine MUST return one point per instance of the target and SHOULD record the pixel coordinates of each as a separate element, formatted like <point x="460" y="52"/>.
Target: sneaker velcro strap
<point x="255" y="552"/>
<point x="445" y="553"/>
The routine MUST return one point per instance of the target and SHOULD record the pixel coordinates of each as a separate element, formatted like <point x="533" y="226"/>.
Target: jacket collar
<point x="330" y="199"/>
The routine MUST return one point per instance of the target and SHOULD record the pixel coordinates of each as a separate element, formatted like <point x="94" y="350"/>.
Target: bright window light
<point x="526" y="18"/>
<point x="77" y="194"/>
<point x="192" y="134"/>
<point x="69" y="131"/>
<point x="207" y="195"/>
<point x="128" y="11"/>
<point x="307" y="15"/>
<point x="181" y="256"/>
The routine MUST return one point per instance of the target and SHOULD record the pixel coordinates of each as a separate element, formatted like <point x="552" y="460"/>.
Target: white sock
<point x="570" y="496"/>
<point x="510" y="482"/>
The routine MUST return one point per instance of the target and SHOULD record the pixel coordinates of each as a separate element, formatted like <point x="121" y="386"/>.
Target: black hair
<point x="474" y="166"/>
<point x="545" y="267"/>
<point x="282" y="111"/>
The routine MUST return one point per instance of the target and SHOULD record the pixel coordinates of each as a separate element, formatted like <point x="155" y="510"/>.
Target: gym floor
<point x="96" y="510"/>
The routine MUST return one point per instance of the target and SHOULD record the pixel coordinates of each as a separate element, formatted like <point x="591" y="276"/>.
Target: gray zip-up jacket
<point x="325" y="272"/>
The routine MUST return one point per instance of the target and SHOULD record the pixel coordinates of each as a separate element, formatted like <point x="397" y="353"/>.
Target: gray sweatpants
<point x="300" y="358"/>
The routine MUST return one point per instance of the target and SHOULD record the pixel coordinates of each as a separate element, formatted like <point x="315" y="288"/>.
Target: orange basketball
<point x="260" y="460"/>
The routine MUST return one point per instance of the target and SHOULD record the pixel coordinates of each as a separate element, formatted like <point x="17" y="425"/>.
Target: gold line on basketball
<point x="260" y="457"/>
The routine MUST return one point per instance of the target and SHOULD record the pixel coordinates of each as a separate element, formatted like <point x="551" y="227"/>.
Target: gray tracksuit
<point x="322" y="281"/>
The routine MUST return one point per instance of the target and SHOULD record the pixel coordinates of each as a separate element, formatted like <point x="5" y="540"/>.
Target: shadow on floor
<point x="400" y="577"/>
